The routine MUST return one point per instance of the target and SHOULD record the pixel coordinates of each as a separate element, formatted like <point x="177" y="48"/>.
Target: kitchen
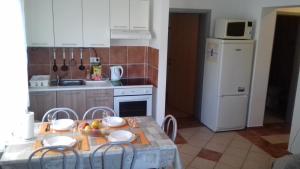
<point x="217" y="11"/>
<point x="59" y="54"/>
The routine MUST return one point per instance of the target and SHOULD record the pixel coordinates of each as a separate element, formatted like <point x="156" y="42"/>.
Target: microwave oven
<point x="233" y="29"/>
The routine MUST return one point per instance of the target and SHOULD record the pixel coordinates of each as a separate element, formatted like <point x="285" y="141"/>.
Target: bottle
<point x="88" y="74"/>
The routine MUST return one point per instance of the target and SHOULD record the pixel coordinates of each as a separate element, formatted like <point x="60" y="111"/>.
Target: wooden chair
<point x="62" y="110"/>
<point x="99" y="110"/>
<point x="168" y="120"/>
<point x="42" y="162"/>
<point x="108" y="146"/>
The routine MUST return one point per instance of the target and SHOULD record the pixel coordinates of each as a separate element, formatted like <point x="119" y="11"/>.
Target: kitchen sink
<point x="68" y="82"/>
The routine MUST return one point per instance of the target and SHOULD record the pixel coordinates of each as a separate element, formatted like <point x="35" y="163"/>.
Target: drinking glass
<point x="74" y="129"/>
<point x="105" y="117"/>
<point x="50" y="120"/>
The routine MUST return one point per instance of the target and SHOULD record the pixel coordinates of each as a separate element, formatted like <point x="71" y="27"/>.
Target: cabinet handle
<point x="41" y="44"/>
<point x="140" y="27"/>
<point x="39" y="94"/>
<point x="120" y="26"/>
<point x="99" y="44"/>
<point x="71" y="93"/>
<point x="69" y="44"/>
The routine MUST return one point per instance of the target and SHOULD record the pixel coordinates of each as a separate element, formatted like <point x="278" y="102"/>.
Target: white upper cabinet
<point x="139" y="14"/>
<point x="96" y="30"/>
<point x="119" y="14"/>
<point x="39" y="23"/>
<point x="67" y="15"/>
<point x="129" y="14"/>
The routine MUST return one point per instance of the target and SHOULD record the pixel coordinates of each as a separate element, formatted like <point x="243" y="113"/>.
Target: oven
<point x="133" y="101"/>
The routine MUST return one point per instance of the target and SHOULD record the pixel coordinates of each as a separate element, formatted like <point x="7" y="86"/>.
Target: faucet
<point x="57" y="79"/>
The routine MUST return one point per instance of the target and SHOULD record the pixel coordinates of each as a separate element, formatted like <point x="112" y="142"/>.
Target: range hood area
<point x="131" y="34"/>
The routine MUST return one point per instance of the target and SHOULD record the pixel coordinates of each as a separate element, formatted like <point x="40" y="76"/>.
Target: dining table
<point x="153" y="148"/>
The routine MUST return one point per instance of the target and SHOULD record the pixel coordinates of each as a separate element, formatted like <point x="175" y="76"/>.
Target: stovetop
<point x="131" y="82"/>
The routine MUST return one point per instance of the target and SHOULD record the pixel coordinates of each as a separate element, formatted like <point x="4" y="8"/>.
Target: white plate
<point x="59" y="141"/>
<point x="62" y="124"/>
<point x="121" y="135"/>
<point x="113" y="121"/>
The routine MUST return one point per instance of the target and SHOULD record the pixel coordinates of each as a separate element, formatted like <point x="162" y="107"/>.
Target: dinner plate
<point x="59" y="141"/>
<point x="62" y="124"/>
<point x="113" y="121"/>
<point x="121" y="135"/>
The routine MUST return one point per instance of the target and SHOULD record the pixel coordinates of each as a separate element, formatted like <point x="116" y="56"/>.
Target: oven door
<point x="127" y="106"/>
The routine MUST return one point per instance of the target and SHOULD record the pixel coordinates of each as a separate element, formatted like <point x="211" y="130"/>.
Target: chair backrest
<point x="62" y="110"/>
<point x="42" y="162"/>
<point x="168" y="120"/>
<point x="124" y="155"/>
<point x="98" y="110"/>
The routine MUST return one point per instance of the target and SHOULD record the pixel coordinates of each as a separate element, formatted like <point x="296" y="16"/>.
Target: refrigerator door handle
<point x="241" y="89"/>
<point x="224" y="95"/>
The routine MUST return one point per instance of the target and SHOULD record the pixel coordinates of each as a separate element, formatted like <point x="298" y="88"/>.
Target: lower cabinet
<point x="75" y="100"/>
<point x="78" y="100"/>
<point x="41" y="102"/>
<point x="96" y="98"/>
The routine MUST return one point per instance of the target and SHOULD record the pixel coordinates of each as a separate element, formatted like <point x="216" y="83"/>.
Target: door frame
<point x="205" y="19"/>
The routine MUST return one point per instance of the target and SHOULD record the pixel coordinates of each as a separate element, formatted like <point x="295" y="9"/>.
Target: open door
<point x="182" y="64"/>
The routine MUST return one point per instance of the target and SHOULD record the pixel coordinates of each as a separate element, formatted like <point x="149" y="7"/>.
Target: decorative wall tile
<point x="135" y="60"/>
<point x="136" y="54"/>
<point x="136" y="71"/>
<point x="38" y="70"/>
<point x="118" y="55"/>
<point x="103" y="53"/>
<point x="153" y="59"/>
<point x="38" y="56"/>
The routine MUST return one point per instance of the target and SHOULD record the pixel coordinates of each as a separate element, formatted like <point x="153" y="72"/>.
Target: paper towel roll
<point x="28" y="126"/>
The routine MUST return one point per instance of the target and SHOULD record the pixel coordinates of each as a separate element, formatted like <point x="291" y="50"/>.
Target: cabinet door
<point x="67" y="23"/>
<point x="103" y="97"/>
<point x="119" y="14"/>
<point x="72" y="99"/>
<point x="39" y="23"/>
<point x="96" y="30"/>
<point x="139" y="14"/>
<point x="41" y="102"/>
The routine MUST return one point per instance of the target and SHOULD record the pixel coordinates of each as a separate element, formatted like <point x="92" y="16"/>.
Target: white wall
<point x="294" y="142"/>
<point x="14" y="86"/>
<point x="219" y="8"/>
<point x="259" y="9"/>
<point x="261" y="68"/>
<point x="160" y="20"/>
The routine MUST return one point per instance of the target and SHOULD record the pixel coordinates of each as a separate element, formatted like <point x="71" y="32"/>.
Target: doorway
<point x="284" y="70"/>
<point x="186" y="50"/>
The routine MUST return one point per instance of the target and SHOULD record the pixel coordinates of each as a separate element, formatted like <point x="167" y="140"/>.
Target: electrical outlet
<point x="94" y="60"/>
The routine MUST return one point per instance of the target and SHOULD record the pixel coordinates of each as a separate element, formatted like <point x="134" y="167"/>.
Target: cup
<point x="105" y="118"/>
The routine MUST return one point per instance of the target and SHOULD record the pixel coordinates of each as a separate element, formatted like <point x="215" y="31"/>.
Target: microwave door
<point x="236" y="29"/>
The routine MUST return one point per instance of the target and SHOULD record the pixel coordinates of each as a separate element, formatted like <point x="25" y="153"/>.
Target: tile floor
<point x="200" y="148"/>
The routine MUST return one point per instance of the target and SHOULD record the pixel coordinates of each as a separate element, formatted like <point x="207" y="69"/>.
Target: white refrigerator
<point x="226" y="83"/>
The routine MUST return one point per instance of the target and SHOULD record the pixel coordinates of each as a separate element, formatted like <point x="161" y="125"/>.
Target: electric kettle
<point x="116" y="73"/>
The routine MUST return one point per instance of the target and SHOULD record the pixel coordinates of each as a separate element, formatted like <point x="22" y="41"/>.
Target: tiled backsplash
<point x="153" y="65"/>
<point x="137" y="61"/>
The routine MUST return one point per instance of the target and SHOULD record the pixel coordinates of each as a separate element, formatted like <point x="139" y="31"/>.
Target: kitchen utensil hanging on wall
<point x="54" y="68"/>
<point x="73" y="61"/>
<point x="64" y="67"/>
<point x="81" y="67"/>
